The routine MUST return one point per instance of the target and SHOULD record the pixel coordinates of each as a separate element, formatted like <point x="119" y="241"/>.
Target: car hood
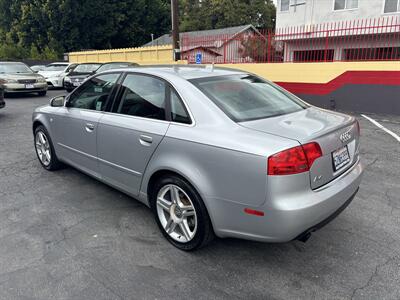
<point x="19" y="76"/>
<point x="304" y="125"/>
<point x="50" y="73"/>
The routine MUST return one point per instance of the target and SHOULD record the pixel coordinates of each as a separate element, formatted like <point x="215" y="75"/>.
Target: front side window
<point x="93" y="94"/>
<point x="247" y="97"/>
<point x="345" y="4"/>
<point x="392" y="6"/>
<point x="285" y="5"/>
<point x="143" y="96"/>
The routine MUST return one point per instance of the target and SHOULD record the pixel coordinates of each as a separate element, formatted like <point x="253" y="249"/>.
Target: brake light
<point x="294" y="160"/>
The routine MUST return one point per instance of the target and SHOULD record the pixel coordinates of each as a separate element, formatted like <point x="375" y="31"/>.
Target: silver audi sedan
<point x="211" y="151"/>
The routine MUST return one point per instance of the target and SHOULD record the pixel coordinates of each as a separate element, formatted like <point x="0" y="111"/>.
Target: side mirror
<point x="57" y="101"/>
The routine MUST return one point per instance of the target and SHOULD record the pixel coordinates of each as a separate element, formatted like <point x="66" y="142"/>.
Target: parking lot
<point x="64" y="235"/>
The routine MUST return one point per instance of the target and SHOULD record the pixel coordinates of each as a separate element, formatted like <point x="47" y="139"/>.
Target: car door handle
<point x="145" y="140"/>
<point x="89" y="127"/>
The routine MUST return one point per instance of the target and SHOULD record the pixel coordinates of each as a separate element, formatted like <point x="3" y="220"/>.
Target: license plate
<point x="29" y="86"/>
<point x="340" y="158"/>
<point x="76" y="83"/>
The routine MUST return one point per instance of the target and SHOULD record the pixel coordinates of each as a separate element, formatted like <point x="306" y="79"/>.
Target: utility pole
<point x="175" y="29"/>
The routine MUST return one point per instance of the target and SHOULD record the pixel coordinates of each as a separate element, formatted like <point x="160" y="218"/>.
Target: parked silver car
<point x="208" y="150"/>
<point x="16" y="77"/>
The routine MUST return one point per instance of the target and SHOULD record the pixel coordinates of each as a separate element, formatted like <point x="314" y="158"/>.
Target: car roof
<point x="184" y="71"/>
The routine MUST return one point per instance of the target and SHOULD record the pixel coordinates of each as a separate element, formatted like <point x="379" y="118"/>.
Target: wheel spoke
<point x="47" y="154"/>
<point x="188" y="211"/>
<point x="164" y="204"/>
<point x="174" y="194"/>
<point x="185" y="230"/>
<point x="41" y="137"/>
<point x="170" y="226"/>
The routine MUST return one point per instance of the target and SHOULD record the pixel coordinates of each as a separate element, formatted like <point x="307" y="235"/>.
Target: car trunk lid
<point x="336" y="133"/>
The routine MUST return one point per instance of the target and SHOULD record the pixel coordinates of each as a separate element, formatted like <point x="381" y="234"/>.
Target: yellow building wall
<point x="142" y="55"/>
<point x="312" y="72"/>
<point x="279" y="72"/>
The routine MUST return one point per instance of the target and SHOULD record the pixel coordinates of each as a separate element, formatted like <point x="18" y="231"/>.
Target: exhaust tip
<point x="304" y="237"/>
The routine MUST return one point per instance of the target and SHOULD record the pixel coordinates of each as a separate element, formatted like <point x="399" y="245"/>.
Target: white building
<point x="366" y="18"/>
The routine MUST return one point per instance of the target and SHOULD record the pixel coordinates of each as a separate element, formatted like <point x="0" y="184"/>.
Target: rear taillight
<point x="294" y="160"/>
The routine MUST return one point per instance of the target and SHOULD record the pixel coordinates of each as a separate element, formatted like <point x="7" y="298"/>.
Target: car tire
<point x="69" y="90"/>
<point x="41" y="94"/>
<point x="43" y="144"/>
<point x="199" y="231"/>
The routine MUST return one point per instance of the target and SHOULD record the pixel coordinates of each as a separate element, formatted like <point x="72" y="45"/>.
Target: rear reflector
<point x="254" y="212"/>
<point x="294" y="160"/>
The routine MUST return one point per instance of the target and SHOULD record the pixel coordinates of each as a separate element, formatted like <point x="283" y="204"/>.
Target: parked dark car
<point x="79" y="74"/>
<point x="83" y="71"/>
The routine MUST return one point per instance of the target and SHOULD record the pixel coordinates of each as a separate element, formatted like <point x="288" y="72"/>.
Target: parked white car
<point x="56" y="72"/>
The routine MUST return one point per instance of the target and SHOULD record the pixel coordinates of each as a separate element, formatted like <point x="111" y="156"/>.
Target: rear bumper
<point x="304" y="236"/>
<point x="289" y="212"/>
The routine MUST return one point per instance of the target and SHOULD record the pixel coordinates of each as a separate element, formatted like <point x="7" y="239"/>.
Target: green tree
<point x="212" y="14"/>
<point x="46" y="28"/>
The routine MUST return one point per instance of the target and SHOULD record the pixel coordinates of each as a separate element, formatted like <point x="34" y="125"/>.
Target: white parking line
<point x="382" y="127"/>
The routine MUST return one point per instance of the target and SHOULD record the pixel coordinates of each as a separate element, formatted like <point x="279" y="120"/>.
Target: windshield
<point x="86" y="68"/>
<point x="247" y="97"/>
<point x="14" y="68"/>
<point x="113" y="66"/>
<point x="54" y="67"/>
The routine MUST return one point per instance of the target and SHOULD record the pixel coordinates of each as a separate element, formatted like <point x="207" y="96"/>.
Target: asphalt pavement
<point x="64" y="235"/>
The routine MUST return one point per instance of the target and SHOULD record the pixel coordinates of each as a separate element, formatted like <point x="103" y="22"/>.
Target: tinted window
<point x="178" y="110"/>
<point x="247" y="97"/>
<point x="392" y="6"/>
<point x="285" y="5"/>
<point x="143" y="96"/>
<point x="93" y="93"/>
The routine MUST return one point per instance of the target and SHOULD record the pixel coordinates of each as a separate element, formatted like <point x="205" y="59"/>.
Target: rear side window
<point x="247" y="97"/>
<point x="178" y="110"/>
<point x="143" y="96"/>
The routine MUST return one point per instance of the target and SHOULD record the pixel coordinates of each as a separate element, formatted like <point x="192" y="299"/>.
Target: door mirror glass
<point x="57" y="101"/>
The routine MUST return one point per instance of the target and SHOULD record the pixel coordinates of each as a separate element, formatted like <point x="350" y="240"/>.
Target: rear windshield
<point x="247" y="97"/>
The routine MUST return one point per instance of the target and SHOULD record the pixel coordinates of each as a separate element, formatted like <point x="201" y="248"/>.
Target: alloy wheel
<point x="176" y="213"/>
<point x="43" y="148"/>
